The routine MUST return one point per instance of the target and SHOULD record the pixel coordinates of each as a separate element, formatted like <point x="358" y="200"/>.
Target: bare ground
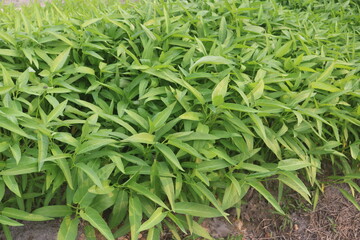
<point x="334" y="218"/>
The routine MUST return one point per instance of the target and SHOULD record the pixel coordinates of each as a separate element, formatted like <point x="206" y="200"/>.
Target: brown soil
<point x="334" y="218"/>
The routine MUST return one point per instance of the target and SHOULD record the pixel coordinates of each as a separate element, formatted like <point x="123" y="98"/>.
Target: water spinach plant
<point x="157" y="114"/>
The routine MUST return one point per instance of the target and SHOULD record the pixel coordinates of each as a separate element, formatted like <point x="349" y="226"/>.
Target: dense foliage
<point x="157" y="114"/>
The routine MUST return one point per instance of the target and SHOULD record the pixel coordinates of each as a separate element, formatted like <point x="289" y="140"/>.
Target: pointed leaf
<point x="91" y="174"/>
<point x="9" y="222"/>
<point x="160" y="118"/>
<point x="154" y="219"/>
<point x="93" y="144"/>
<point x="68" y="229"/>
<point x="266" y="194"/>
<point x="12" y="184"/>
<point x="351" y="198"/>
<point x="210" y="60"/>
<point x="196" y="209"/>
<point x="294" y="182"/>
<point x="43" y="144"/>
<point x="59" y="61"/>
<point x="139" y="189"/>
<point x="145" y="138"/>
<point x="12" y="127"/>
<point x="135" y="216"/>
<point x="169" y="155"/>
<point x="219" y="92"/>
<point x="57" y="111"/>
<point x="54" y="211"/>
<point x="22" y="215"/>
<point x="292" y="164"/>
<point x="95" y="219"/>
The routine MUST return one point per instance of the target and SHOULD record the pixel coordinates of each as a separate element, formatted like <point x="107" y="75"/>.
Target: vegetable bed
<point x="157" y="114"/>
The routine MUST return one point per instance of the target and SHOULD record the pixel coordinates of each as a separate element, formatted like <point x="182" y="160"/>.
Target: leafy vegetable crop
<point x="140" y="116"/>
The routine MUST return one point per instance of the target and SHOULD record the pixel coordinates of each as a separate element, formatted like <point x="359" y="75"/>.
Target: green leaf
<point x="12" y="184"/>
<point x="16" y="152"/>
<point x="173" y="78"/>
<point x="169" y="155"/>
<point x="200" y="230"/>
<point x="2" y="189"/>
<point x="153" y="234"/>
<point x="253" y="167"/>
<point x="64" y="166"/>
<point x="95" y="219"/>
<point x="223" y="155"/>
<point x="118" y="162"/>
<point x="160" y="118"/>
<point x="66" y="138"/>
<point x="90" y="21"/>
<point x="259" y="125"/>
<point x="210" y="196"/>
<point x="210" y="60"/>
<point x="9" y="222"/>
<point x="257" y="91"/>
<point x="19" y="170"/>
<point x="83" y="197"/>
<point x="7" y="81"/>
<point x="91" y="174"/>
<point x="266" y="194"/>
<point x="139" y="189"/>
<point x="284" y="49"/>
<point x="57" y="111"/>
<point x="43" y="144"/>
<point x="154" y="219"/>
<point x="145" y="138"/>
<point x="119" y="210"/>
<point x="185" y="147"/>
<point x="9" y="52"/>
<point x="219" y="92"/>
<point x="196" y="209"/>
<point x="231" y="196"/>
<point x="295" y="183"/>
<point x="94" y="54"/>
<point x="213" y="165"/>
<point x="191" y="116"/>
<point x="5" y="89"/>
<point x="351" y="198"/>
<point x="326" y="74"/>
<point x="22" y="215"/>
<point x="59" y="61"/>
<point x="168" y="187"/>
<point x="7" y="38"/>
<point x="90" y="233"/>
<point x="12" y="127"/>
<point x="137" y="118"/>
<point x="68" y="229"/>
<point x="292" y="164"/>
<point x="135" y="216"/>
<point x="238" y="107"/>
<point x="85" y="70"/>
<point x="354" y="150"/>
<point x="93" y="144"/>
<point x="222" y="30"/>
<point x="148" y="33"/>
<point x="54" y="211"/>
<point x="324" y="86"/>
<point x="64" y="39"/>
